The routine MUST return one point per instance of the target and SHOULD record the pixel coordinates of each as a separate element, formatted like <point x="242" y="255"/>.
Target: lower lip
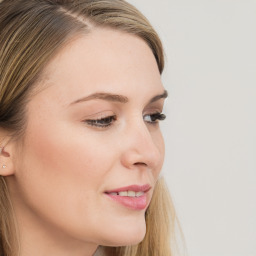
<point x="134" y="203"/>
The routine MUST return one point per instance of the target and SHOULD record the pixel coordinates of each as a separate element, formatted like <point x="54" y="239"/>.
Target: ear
<point x="6" y="161"/>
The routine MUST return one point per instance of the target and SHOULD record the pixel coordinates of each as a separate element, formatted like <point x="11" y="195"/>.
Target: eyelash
<point x="108" y="121"/>
<point x="102" y="122"/>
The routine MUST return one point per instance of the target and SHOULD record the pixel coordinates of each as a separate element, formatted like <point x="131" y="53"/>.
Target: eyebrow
<point x="164" y="95"/>
<point x="116" y="97"/>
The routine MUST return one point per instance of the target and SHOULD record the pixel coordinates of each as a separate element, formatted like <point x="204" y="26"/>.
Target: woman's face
<point x="92" y="130"/>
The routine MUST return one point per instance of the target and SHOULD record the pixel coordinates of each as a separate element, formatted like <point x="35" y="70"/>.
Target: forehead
<point x="103" y="60"/>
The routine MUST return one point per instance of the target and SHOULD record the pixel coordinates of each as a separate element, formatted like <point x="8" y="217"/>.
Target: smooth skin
<point x="58" y="175"/>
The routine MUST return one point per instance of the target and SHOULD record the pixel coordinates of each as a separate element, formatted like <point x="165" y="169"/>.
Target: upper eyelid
<point x="156" y="108"/>
<point x="100" y="114"/>
<point x="105" y="114"/>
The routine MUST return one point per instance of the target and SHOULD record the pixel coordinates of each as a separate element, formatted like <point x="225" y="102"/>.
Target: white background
<point x="210" y="132"/>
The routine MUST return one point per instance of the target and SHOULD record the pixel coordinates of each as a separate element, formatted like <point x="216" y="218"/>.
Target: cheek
<point x="63" y="166"/>
<point x="61" y="177"/>
<point x="64" y="156"/>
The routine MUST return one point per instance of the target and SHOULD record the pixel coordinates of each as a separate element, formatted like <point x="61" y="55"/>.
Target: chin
<point x="124" y="235"/>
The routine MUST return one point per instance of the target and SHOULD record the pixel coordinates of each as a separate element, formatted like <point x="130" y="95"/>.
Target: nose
<point x="142" y="148"/>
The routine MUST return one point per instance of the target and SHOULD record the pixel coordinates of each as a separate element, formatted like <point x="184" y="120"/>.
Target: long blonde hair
<point x="31" y="33"/>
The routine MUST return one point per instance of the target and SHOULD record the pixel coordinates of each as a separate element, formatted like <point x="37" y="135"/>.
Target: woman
<point x="81" y="150"/>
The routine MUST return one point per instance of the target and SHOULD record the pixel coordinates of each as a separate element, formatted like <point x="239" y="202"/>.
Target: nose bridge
<point x="141" y="147"/>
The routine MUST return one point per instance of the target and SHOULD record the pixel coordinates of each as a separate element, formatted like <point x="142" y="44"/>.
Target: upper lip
<point x="135" y="188"/>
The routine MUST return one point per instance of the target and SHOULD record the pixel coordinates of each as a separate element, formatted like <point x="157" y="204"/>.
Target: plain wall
<point x="210" y="129"/>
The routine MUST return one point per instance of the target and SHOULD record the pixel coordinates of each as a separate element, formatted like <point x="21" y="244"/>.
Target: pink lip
<point x="134" y="203"/>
